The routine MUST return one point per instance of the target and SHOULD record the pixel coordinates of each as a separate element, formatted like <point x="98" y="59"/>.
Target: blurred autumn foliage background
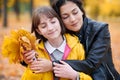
<point x="15" y="14"/>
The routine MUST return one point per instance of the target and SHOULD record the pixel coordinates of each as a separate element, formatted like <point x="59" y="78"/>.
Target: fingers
<point x="58" y="72"/>
<point x="63" y="62"/>
<point x="60" y="65"/>
<point x="29" y="56"/>
<point x="40" y="59"/>
<point x="57" y="67"/>
<point x="35" y="65"/>
<point x="35" y="68"/>
<point x="57" y="64"/>
<point x="29" y="61"/>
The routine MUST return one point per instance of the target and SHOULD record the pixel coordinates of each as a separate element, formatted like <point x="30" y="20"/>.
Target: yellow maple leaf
<point x="16" y="43"/>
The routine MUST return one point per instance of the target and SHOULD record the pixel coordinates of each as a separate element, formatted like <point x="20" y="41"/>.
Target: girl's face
<point x="71" y="16"/>
<point x="49" y="27"/>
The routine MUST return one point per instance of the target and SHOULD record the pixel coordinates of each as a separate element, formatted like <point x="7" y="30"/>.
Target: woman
<point x="94" y="36"/>
<point x="53" y="45"/>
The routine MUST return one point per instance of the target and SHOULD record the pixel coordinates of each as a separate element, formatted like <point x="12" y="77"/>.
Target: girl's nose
<point x="50" y="27"/>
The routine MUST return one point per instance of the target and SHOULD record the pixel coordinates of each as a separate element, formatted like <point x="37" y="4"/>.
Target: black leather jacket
<point x="95" y="37"/>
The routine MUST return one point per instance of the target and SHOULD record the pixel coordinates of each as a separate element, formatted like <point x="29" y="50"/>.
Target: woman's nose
<point x="72" y="18"/>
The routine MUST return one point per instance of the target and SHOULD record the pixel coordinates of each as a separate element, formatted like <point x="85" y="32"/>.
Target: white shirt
<point x="51" y="49"/>
<point x="61" y="48"/>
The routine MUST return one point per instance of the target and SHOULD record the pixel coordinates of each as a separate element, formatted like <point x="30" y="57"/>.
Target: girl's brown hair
<point x="50" y="13"/>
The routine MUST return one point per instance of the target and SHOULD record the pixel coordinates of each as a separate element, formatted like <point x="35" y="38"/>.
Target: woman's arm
<point x="44" y="65"/>
<point x="99" y="42"/>
<point x="41" y="65"/>
<point x="66" y="71"/>
<point x="96" y="53"/>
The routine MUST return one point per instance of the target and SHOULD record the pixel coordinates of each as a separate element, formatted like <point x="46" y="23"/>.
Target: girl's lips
<point x="51" y="33"/>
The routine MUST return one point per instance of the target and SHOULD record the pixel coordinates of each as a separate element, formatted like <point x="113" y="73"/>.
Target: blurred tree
<point x="102" y="8"/>
<point x="51" y="1"/>
<point x="5" y="13"/>
<point x="26" y="6"/>
<point x="10" y="3"/>
<point x="110" y="8"/>
<point x="84" y="3"/>
<point x="0" y="8"/>
<point x="31" y="7"/>
<point x="38" y="3"/>
<point x="17" y="9"/>
<point x="93" y="9"/>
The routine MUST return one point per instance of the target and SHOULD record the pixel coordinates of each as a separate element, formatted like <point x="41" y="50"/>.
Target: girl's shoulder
<point x="70" y="36"/>
<point x="71" y="39"/>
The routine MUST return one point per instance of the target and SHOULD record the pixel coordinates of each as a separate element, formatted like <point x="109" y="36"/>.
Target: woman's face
<point x="49" y="27"/>
<point x="71" y="16"/>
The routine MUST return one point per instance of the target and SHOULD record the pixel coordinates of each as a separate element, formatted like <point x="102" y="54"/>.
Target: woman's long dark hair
<point x="56" y="4"/>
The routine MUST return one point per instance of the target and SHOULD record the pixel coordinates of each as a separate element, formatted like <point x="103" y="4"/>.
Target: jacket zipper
<point x="110" y="72"/>
<point x="87" y="44"/>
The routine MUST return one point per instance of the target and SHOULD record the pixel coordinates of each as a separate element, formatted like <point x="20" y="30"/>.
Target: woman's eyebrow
<point x="74" y="9"/>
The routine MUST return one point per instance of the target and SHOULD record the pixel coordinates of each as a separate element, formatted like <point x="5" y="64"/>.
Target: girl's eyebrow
<point x="42" y="22"/>
<point x="51" y="18"/>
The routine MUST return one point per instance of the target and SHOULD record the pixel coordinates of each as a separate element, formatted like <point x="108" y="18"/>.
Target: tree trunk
<point x="17" y="9"/>
<point x="5" y="13"/>
<point x="0" y="8"/>
<point x="31" y="7"/>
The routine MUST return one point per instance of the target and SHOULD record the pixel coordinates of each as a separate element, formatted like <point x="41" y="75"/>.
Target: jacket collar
<point x="83" y="31"/>
<point x="69" y="40"/>
<point x="84" y="26"/>
<point x="51" y="49"/>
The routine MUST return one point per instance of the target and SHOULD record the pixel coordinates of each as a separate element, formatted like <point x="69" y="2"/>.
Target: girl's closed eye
<point x="53" y="20"/>
<point x="42" y="25"/>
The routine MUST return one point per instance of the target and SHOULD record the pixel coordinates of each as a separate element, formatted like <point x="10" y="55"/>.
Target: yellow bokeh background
<point x="101" y="10"/>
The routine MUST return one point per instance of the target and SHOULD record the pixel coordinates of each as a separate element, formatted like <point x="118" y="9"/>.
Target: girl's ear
<point x="38" y="31"/>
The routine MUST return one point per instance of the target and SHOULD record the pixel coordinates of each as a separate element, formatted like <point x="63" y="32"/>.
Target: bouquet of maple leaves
<point x="16" y="43"/>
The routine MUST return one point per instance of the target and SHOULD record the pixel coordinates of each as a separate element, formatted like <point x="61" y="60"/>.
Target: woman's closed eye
<point x="65" y="17"/>
<point x="75" y="12"/>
